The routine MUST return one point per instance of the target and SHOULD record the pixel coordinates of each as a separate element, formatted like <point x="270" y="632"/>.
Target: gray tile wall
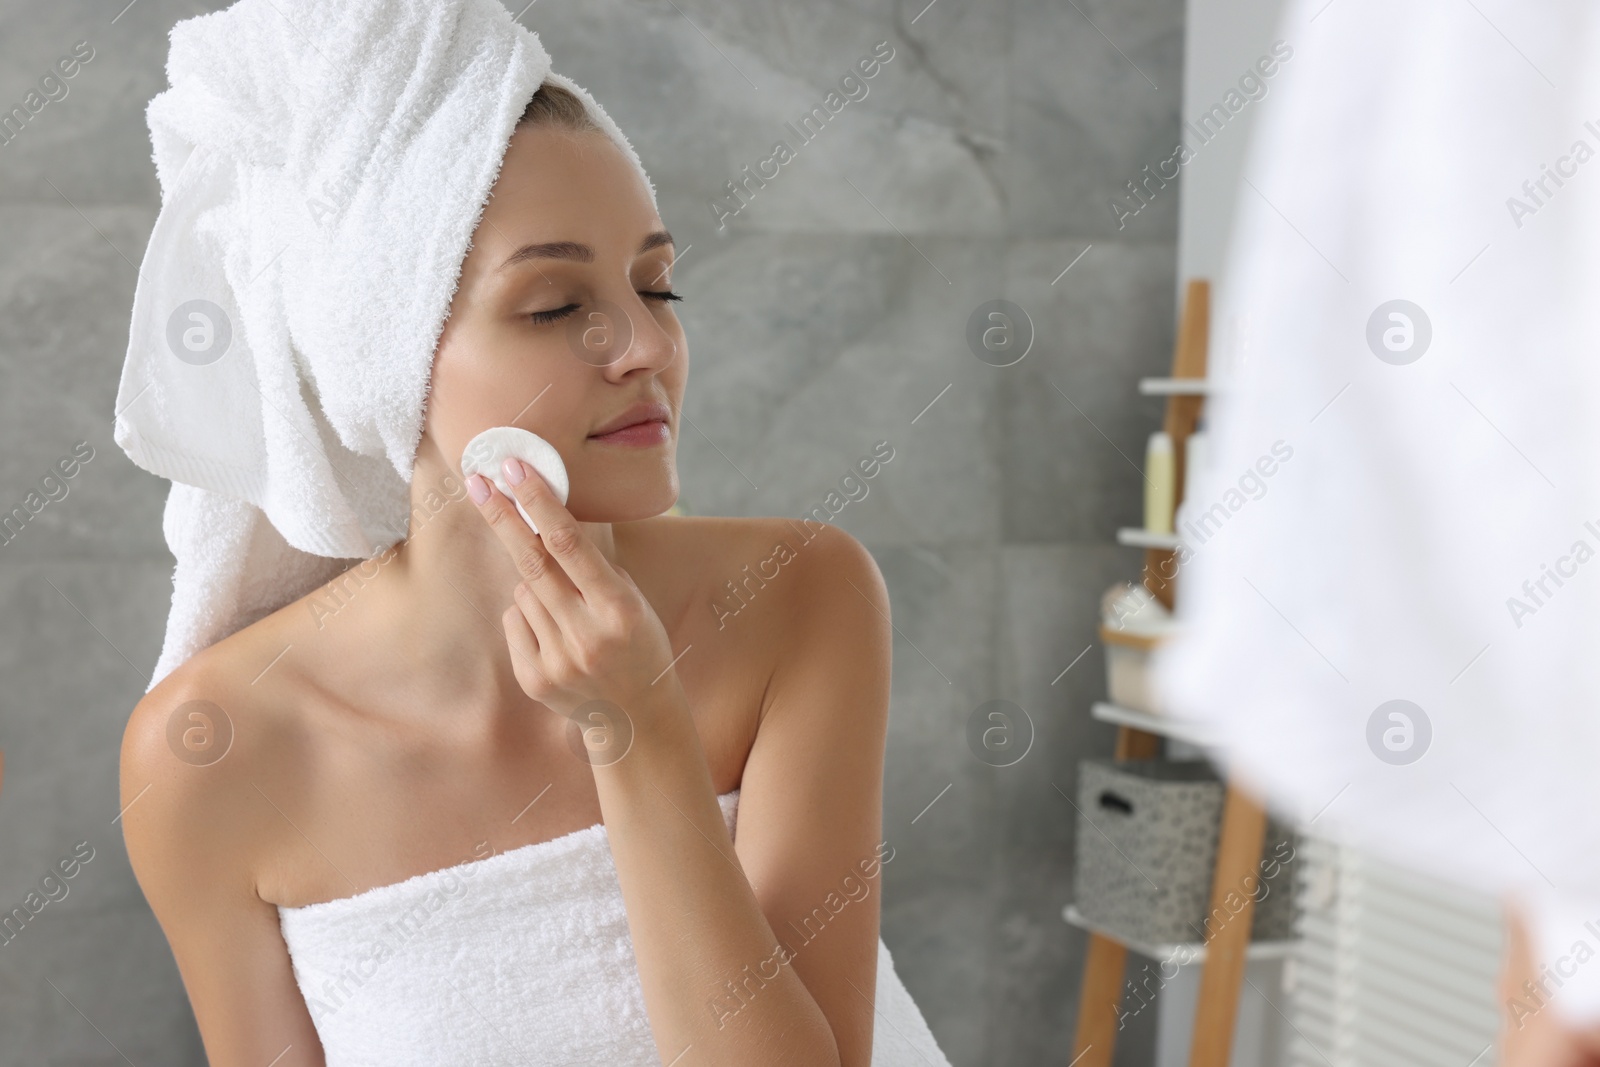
<point x="829" y="314"/>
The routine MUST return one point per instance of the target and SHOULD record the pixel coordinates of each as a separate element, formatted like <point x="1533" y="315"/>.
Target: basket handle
<point x="1116" y="802"/>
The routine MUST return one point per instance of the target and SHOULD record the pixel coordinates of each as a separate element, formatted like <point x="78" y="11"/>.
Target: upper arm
<point x="811" y="798"/>
<point x="187" y="825"/>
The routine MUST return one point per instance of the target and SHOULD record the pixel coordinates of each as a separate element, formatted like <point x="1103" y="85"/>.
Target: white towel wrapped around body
<point x="522" y="957"/>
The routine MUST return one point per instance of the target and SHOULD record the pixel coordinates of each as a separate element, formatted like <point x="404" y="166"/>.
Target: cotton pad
<point x="485" y="454"/>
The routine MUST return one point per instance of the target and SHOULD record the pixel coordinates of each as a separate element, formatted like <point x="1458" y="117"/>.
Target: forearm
<point x="695" y="922"/>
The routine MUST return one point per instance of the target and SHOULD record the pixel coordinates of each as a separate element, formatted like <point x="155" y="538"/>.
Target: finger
<point x="545" y="627"/>
<point x="577" y="556"/>
<point x="633" y="585"/>
<point x="525" y="655"/>
<point x="542" y="573"/>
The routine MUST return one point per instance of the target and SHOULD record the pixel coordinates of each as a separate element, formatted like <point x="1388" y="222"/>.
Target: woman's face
<point x="554" y="327"/>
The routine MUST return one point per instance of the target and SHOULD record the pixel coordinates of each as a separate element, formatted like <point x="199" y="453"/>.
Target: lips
<point x="641" y="412"/>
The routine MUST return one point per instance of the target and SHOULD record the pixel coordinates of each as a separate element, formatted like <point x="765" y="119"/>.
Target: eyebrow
<point x="573" y="250"/>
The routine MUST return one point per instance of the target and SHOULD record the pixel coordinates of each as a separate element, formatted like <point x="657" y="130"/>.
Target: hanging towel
<point x="1390" y="599"/>
<point x="323" y="167"/>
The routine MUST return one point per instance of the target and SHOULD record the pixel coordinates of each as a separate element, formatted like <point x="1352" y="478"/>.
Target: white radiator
<point x="1392" y="969"/>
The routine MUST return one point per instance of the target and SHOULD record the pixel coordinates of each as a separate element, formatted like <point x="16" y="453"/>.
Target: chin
<point x="618" y="504"/>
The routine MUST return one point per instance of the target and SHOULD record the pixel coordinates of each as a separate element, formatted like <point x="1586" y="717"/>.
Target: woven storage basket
<point x="1146" y="850"/>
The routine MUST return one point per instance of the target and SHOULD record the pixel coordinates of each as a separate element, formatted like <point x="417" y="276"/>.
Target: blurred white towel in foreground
<point x="1434" y="536"/>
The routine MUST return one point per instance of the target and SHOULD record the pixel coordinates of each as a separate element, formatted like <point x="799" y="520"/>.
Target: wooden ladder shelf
<point x="1243" y="818"/>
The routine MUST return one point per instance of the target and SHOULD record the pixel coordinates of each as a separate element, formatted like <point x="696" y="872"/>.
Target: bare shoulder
<point x="763" y="587"/>
<point x="208" y="712"/>
<point x="839" y="569"/>
<point x="829" y="565"/>
<point x="195" y="753"/>
<point x="191" y="750"/>
<point x="767" y="567"/>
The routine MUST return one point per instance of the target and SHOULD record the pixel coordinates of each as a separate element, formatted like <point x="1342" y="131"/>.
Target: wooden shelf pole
<point x="1244" y="824"/>
<point x="1099" y="1002"/>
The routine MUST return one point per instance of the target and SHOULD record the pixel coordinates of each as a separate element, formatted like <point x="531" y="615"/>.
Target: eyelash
<point x="556" y="314"/>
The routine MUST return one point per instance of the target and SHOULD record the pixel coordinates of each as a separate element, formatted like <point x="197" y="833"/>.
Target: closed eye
<point x="556" y="314"/>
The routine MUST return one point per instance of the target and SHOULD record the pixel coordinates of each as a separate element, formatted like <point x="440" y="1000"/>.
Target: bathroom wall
<point x="829" y="312"/>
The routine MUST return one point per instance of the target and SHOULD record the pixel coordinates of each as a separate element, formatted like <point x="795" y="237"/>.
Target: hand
<point x="580" y="629"/>
<point x="1544" y="1038"/>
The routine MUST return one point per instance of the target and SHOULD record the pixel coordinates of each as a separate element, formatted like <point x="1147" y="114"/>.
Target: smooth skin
<point x="410" y="729"/>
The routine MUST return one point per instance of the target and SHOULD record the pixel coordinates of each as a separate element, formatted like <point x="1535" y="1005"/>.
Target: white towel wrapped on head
<point x="323" y="168"/>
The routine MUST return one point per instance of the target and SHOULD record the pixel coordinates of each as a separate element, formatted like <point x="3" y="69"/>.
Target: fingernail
<point x="513" y="469"/>
<point x="478" y="488"/>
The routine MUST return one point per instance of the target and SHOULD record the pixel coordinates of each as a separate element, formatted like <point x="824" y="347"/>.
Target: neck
<point x="438" y="606"/>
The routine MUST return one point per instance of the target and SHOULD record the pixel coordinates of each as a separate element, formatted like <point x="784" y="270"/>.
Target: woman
<point x="424" y="722"/>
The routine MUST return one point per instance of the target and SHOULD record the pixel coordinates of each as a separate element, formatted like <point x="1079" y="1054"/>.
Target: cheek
<point x="471" y="381"/>
<point x="675" y="376"/>
<point x="484" y="378"/>
<point x="456" y="389"/>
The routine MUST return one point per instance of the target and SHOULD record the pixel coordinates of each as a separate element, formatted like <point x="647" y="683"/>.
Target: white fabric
<point x="323" y="166"/>
<point x="486" y="454"/>
<point x="1381" y="559"/>
<point x="522" y="957"/>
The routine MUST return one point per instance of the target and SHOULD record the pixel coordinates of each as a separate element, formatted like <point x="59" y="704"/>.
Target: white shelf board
<point x="1141" y="538"/>
<point x="1177" y="387"/>
<point x="1194" y="951"/>
<point x="1177" y="729"/>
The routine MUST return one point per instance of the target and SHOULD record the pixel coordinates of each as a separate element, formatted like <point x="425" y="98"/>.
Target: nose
<point x="621" y="339"/>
